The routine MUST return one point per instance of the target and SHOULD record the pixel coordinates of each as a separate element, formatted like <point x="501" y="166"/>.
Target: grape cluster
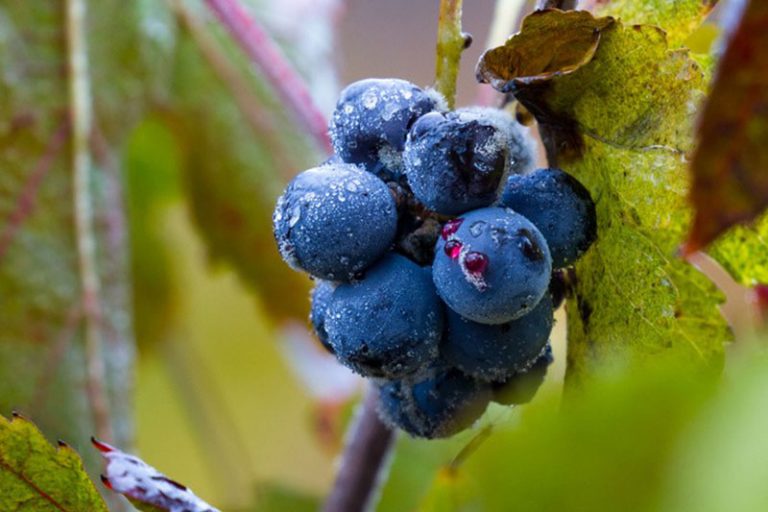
<point x="433" y="244"/>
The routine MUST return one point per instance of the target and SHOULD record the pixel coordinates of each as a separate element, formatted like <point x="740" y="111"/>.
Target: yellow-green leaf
<point x="678" y="18"/>
<point x="621" y="124"/>
<point x="36" y="476"/>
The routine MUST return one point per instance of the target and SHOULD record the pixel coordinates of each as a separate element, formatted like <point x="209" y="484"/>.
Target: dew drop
<point x="295" y="216"/>
<point x="348" y="108"/>
<point x="450" y="228"/>
<point x="476" y="229"/>
<point x="476" y="262"/>
<point x="452" y="249"/>
<point x="370" y="100"/>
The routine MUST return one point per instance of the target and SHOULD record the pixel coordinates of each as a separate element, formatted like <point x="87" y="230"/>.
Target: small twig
<point x="262" y="123"/>
<point x="267" y="56"/>
<point x="27" y="200"/>
<point x="470" y="448"/>
<point x="363" y="461"/>
<point x="451" y="41"/>
<point x="80" y="118"/>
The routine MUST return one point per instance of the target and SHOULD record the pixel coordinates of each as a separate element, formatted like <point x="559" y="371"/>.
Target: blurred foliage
<point x="730" y="183"/>
<point x="233" y="181"/>
<point x="648" y="439"/>
<point x="41" y="343"/>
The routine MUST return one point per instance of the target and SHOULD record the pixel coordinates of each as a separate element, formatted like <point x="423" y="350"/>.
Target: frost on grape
<point x="141" y="483"/>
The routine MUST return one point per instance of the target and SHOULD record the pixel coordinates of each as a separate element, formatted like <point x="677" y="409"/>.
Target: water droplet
<point x="476" y="229"/>
<point x="295" y="216"/>
<point x="452" y="249"/>
<point x="451" y="227"/>
<point x="348" y="108"/>
<point x="476" y="262"/>
<point x="370" y="100"/>
<point x="352" y="186"/>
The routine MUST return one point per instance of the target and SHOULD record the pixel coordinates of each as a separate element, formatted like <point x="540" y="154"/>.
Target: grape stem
<point x="363" y="464"/>
<point x="266" y="55"/>
<point x="451" y="41"/>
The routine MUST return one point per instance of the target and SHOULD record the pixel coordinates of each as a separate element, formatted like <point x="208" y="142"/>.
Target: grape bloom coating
<point x="433" y="244"/>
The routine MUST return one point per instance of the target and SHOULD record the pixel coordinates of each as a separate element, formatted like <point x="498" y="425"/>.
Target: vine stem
<point x="80" y="120"/>
<point x="451" y="41"/>
<point x="364" y="461"/>
<point x="267" y="56"/>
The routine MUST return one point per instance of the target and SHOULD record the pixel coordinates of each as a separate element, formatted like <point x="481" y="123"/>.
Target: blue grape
<point x="371" y="121"/>
<point x="388" y="324"/>
<point x="436" y="404"/>
<point x="393" y="408"/>
<point x="319" y="299"/>
<point x="491" y="266"/>
<point x="496" y="352"/>
<point x="521" y="387"/>
<point x="560" y="206"/>
<point x="334" y="221"/>
<point x="455" y="162"/>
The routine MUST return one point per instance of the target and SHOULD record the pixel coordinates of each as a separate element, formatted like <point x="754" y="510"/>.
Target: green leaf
<point x="620" y="123"/>
<point x="730" y="182"/>
<point x="605" y="448"/>
<point x="678" y="18"/>
<point x="743" y="252"/>
<point x="36" y="476"/>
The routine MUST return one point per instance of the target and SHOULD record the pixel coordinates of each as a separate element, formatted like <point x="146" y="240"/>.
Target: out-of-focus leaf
<point x="721" y="461"/>
<point x="151" y="163"/>
<point x="451" y="491"/>
<point x="276" y="498"/>
<point x="678" y="18"/>
<point x="730" y="182"/>
<point x="42" y="356"/>
<point x="144" y="486"/>
<point x="606" y="448"/>
<point x="36" y="476"/>
<point x="234" y="173"/>
<point x="624" y="117"/>
<point x="743" y="252"/>
<point x="416" y="467"/>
